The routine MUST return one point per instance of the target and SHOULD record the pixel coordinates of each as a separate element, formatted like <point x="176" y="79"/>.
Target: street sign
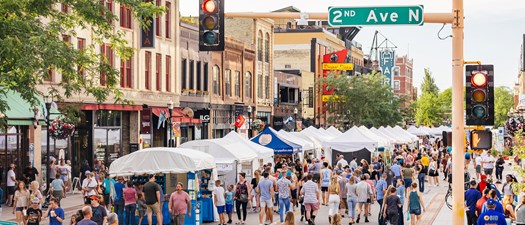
<point x="338" y="66"/>
<point x="389" y="15"/>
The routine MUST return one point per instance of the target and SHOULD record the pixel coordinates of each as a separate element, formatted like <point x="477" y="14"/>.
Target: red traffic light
<point x="209" y="6"/>
<point x="478" y="79"/>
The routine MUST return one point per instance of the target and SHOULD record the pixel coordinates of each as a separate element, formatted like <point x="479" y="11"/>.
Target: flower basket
<point x="59" y="129"/>
<point x="257" y="125"/>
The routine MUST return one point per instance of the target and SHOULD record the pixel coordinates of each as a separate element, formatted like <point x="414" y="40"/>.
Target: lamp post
<point x="295" y="111"/>
<point x="170" y="107"/>
<point x="249" y="121"/>
<point x="48" y="101"/>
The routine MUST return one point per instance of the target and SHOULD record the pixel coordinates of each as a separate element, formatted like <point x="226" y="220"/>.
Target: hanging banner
<point x="147" y="34"/>
<point x="387" y="61"/>
<point x="239" y="121"/>
<point x="176" y="129"/>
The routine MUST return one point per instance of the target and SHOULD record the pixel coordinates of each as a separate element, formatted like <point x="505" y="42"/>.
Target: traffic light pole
<point x="456" y="18"/>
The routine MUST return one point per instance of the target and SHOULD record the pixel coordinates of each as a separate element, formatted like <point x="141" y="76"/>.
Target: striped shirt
<point x="310" y="191"/>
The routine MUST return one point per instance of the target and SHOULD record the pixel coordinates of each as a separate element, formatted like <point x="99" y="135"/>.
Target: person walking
<point x="100" y="214"/>
<point x="312" y="198"/>
<point x="334" y="199"/>
<point x="34" y="213"/>
<point x="351" y="196"/>
<point x="325" y="181"/>
<point x="266" y="190"/>
<point x="179" y="205"/>
<point x="152" y="196"/>
<point x="391" y="205"/>
<point x="284" y="188"/>
<point x="219" y="201"/>
<point x="407" y="174"/>
<point x="364" y="198"/>
<point x="89" y="184"/>
<point x="471" y="197"/>
<point x="491" y="216"/>
<point x="87" y="214"/>
<point x="433" y="172"/>
<point x="255" y="180"/>
<point x="119" y="199"/>
<point x="242" y="196"/>
<point x="342" y="181"/>
<point x="401" y="194"/>
<point x="58" y="188"/>
<point x="500" y="165"/>
<point x="130" y="203"/>
<point x="21" y="202"/>
<point x="55" y="213"/>
<point x="415" y="204"/>
<point x="11" y="184"/>
<point x="108" y="186"/>
<point x="35" y="193"/>
<point x="396" y="169"/>
<point x="488" y="164"/>
<point x="30" y="173"/>
<point x="421" y="173"/>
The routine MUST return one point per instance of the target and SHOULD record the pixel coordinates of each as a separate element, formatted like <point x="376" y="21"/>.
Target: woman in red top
<point x="130" y="202"/>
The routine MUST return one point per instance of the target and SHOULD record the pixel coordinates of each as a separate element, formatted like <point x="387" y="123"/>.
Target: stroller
<point x="45" y="204"/>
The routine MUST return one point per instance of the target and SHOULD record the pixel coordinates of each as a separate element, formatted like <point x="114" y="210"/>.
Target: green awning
<point x="21" y="112"/>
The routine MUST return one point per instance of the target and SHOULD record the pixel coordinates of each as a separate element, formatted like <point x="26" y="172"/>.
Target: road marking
<point x="433" y="209"/>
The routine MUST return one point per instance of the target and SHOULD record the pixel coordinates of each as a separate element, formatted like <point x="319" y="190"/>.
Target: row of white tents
<point x="427" y="131"/>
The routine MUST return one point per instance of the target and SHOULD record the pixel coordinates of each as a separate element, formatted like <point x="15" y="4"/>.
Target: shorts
<point x="19" y="209"/>
<point x="294" y="194"/>
<point x="106" y="199"/>
<point x="316" y="178"/>
<point x="221" y="209"/>
<point x="416" y="212"/>
<point x="10" y="190"/>
<point x="343" y="204"/>
<point x="142" y="212"/>
<point x="488" y="171"/>
<point x="324" y="189"/>
<point x="155" y="208"/>
<point x="311" y="206"/>
<point x="266" y="203"/>
<point x="229" y="209"/>
<point x="478" y="168"/>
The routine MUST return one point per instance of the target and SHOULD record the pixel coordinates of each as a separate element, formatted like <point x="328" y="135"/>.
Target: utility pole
<point x="456" y="19"/>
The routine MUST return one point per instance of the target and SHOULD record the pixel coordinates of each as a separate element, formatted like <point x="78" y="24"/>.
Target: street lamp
<point x="48" y="102"/>
<point x="249" y="121"/>
<point x="295" y="111"/>
<point x="170" y="107"/>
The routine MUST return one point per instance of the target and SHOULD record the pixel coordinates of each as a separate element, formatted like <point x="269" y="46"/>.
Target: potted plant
<point x="59" y="129"/>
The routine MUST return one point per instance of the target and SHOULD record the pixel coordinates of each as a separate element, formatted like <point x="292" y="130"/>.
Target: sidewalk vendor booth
<point x="352" y="143"/>
<point x="281" y="148"/>
<point x="265" y="155"/>
<point x="172" y="165"/>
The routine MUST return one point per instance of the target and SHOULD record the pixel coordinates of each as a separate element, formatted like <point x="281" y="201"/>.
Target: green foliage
<point x="31" y="44"/>
<point x="445" y="98"/>
<point x="429" y="109"/>
<point x="503" y="101"/>
<point x="518" y="151"/>
<point x="428" y="84"/>
<point x="362" y="100"/>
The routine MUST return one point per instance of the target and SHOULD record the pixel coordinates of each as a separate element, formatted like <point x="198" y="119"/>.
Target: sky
<point x="493" y="33"/>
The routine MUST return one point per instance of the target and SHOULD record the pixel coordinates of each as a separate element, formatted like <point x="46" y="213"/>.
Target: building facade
<point x="287" y="110"/>
<point x="403" y="79"/>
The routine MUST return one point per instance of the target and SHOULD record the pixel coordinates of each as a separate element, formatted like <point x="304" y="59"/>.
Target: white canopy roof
<point x="326" y="133"/>
<point x="305" y="144"/>
<point x="381" y="141"/>
<point x="397" y="138"/>
<point x="417" y="131"/>
<point x="426" y="129"/>
<point x="334" y="131"/>
<point x="261" y="151"/>
<point x="401" y="131"/>
<point x="223" y="150"/>
<point x="390" y="139"/>
<point x="352" y="140"/>
<point x="316" y="142"/>
<point x="161" y="160"/>
<point x="315" y="133"/>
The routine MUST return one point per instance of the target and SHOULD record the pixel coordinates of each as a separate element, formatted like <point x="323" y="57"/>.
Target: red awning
<point x="115" y="107"/>
<point x="177" y="116"/>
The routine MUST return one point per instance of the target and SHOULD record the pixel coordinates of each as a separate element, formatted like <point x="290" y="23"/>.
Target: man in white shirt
<point x="353" y="164"/>
<point x="89" y="184"/>
<point x="488" y="164"/>
<point x="477" y="161"/>
<point x="219" y="201"/>
<point x="342" y="161"/>
<point x="11" y="183"/>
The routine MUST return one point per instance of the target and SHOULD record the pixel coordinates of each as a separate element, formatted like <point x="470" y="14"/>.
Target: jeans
<point x="421" y="179"/>
<point x="400" y="220"/>
<point x="499" y="173"/>
<point x="119" y="209"/>
<point x="130" y="213"/>
<point x="352" y="202"/>
<point x="238" y="205"/>
<point x="1" y="197"/>
<point x="381" y="219"/>
<point x="284" y="206"/>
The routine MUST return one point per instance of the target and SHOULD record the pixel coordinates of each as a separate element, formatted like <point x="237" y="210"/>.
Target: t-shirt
<point x="21" y="198"/>
<point x="343" y="162"/>
<point x="310" y="190"/>
<point x="396" y="169"/>
<point x="229" y="197"/>
<point x="480" y="203"/>
<point x="86" y="222"/>
<point x="326" y="177"/>
<point x="491" y="217"/>
<point x="118" y="190"/>
<point x="342" y="185"/>
<point x="401" y="193"/>
<point x="107" y="183"/>
<point x="129" y="195"/>
<point x="408" y="173"/>
<point x="471" y="198"/>
<point x="392" y="202"/>
<point x="284" y="187"/>
<point x="99" y="213"/>
<point x="380" y="186"/>
<point x="179" y="202"/>
<point x="33" y="215"/>
<point x="11" y="182"/>
<point x="91" y="184"/>
<point x="57" y="185"/>
<point x="64" y="170"/>
<point x="219" y="195"/>
<point x="59" y="213"/>
<point x="353" y="165"/>
<point x="150" y="192"/>
<point x="488" y="162"/>
<point x="364" y="190"/>
<point x="30" y="173"/>
<point x="264" y="189"/>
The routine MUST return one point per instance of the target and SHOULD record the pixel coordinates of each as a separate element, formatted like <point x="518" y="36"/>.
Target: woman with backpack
<point x="241" y="197"/>
<point x="415" y="204"/>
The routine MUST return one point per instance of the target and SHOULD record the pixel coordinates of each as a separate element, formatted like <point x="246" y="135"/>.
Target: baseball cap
<point x="35" y="200"/>
<point x="491" y="202"/>
<point x="87" y="172"/>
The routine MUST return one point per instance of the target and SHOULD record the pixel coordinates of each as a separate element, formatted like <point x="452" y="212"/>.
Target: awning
<point x="115" y="107"/>
<point x="21" y="112"/>
<point x="177" y="116"/>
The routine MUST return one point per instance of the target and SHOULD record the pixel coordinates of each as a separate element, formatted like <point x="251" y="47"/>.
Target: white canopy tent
<point x="326" y="133"/>
<point x="265" y="155"/>
<point x="317" y="144"/>
<point x="334" y="131"/>
<point x="306" y="145"/>
<point x="390" y="139"/>
<point x="401" y="131"/>
<point x="161" y="160"/>
<point x="427" y="129"/>
<point x="315" y="133"/>
<point x="395" y="139"/>
<point x="352" y="140"/>
<point x="400" y="139"/>
<point x="417" y="131"/>
<point x="381" y="141"/>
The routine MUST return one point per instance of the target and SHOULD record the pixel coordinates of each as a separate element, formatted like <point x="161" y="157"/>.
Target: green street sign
<point x="389" y="15"/>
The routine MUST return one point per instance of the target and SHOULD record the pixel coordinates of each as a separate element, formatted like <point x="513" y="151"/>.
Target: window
<point x="158" y="70"/>
<point x="267" y="48"/>
<point x="199" y="76"/>
<point x="67" y="39"/>
<point x="260" y="86"/>
<point x="168" y="73"/>
<point x="260" y="46"/>
<point x="267" y="87"/>
<point x="65" y="8"/>
<point x="205" y="77"/>
<point x="287" y="66"/>
<point x="125" y="73"/>
<point x="81" y="45"/>
<point x="215" y="82"/>
<point x="109" y="7"/>
<point x="168" y="19"/>
<point x="192" y="74"/>
<point x="147" y="70"/>
<point x="248" y="85"/>
<point x="125" y="16"/>
<point x="49" y="75"/>
<point x="397" y="85"/>
<point x="107" y="58"/>
<point x="183" y="73"/>
<point x="237" y="80"/>
<point x="396" y="71"/>
<point x="157" y="21"/>
<point x="227" y="82"/>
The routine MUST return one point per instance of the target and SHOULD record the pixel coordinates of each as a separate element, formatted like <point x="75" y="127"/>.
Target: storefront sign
<point x="203" y="115"/>
<point x="147" y="36"/>
<point x="145" y="121"/>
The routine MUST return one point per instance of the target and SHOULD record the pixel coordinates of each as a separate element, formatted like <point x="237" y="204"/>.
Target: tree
<point x="429" y="110"/>
<point x="361" y="100"/>
<point x="31" y="46"/>
<point x="518" y="153"/>
<point x="503" y="101"/>
<point x="445" y="98"/>
<point x="428" y="84"/>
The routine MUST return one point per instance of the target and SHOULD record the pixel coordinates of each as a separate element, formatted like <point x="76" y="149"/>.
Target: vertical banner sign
<point x="387" y="63"/>
<point x="145" y="121"/>
<point x="275" y="91"/>
<point x="147" y="34"/>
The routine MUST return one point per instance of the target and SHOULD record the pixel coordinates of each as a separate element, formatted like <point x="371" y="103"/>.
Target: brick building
<point x="403" y="80"/>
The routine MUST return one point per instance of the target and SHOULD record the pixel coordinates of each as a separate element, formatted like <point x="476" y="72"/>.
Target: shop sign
<point x="203" y="115"/>
<point x="145" y="121"/>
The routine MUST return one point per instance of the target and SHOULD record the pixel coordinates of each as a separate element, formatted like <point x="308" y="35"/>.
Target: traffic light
<point x="479" y="96"/>
<point x="211" y="25"/>
<point x="480" y="139"/>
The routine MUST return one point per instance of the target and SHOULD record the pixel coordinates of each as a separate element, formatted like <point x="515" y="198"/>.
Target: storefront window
<point x="107" y="144"/>
<point x="10" y="149"/>
<point x="107" y="118"/>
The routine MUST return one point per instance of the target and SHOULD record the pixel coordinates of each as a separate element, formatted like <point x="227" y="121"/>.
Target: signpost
<point x="389" y="15"/>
